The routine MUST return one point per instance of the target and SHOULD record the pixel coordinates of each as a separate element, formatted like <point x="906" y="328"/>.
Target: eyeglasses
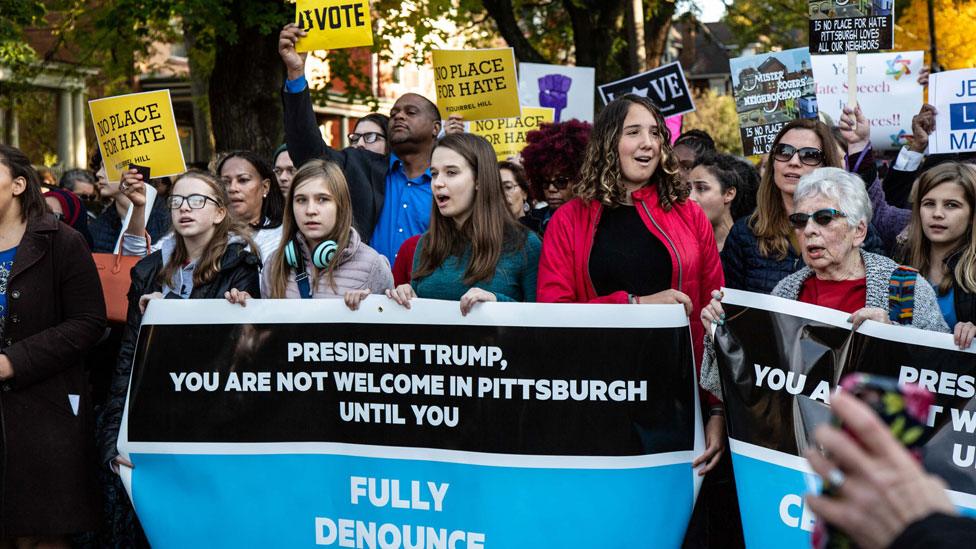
<point x="59" y="216"/>
<point x="558" y="182"/>
<point x="810" y="156"/>
<point x="89" y="197"/>
<point x="822" y="217"/>
<point x="196" y="201"/>
<point x="368" y="137"/>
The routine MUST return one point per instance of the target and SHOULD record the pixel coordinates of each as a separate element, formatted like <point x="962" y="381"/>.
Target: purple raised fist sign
<point x="553" y="91"/>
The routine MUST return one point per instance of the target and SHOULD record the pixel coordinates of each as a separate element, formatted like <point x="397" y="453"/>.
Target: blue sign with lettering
<point x="962" y="116"/>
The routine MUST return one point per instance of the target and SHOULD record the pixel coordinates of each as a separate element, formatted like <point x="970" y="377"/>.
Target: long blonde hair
<point x="336" y="184"/>
<point x="209" y="264"/>
<point x="770" y="222"/>
<point x="919" y="248"/>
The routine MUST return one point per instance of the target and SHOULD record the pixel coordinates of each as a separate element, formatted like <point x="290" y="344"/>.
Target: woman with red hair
<point x="553" y="157"/>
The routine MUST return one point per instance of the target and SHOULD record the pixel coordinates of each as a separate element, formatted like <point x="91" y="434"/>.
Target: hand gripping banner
<point x="779" y="361"/>
<point x="303" y="424"/>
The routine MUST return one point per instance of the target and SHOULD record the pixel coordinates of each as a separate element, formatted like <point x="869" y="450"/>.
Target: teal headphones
<point x="322" y="255"/>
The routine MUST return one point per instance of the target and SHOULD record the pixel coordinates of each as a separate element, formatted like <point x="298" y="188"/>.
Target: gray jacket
<point x="878" y="270"/>
<point x="359" y="267"/>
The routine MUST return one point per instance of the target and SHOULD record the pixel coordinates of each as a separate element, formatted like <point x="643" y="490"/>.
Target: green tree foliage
<point x="715" y="114"/>
<point x="781" y="24"/>
<point x="15" y="53"/>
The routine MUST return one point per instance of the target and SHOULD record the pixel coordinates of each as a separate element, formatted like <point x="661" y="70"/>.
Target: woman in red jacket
<point x="632" y="235"/>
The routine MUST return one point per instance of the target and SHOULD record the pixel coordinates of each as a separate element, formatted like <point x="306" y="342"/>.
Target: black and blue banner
<point x="780" y="360"/>
<point x="301" y="424"/>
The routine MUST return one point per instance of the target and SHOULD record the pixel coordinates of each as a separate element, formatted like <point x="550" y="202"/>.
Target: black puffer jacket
<point x="746" y="268"/>
<point x="963" y="301"/>
<point x="239" y="269"/>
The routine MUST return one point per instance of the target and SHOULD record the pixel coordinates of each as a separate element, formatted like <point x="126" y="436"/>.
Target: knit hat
<point x="75" y="213"/>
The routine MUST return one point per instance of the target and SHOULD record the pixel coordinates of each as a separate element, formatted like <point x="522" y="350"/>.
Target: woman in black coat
<point x="51" y="313"/>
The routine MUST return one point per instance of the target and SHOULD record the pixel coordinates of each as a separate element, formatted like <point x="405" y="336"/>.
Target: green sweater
<point x="514" y="280"/>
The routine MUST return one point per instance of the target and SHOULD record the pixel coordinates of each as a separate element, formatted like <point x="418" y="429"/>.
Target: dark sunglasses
<point x="822" y="217"/>
<point x="811" y="156"/>
<point x="368" y="137"/>
<point x="196" y="201"/>
<point x="558" y="182"/>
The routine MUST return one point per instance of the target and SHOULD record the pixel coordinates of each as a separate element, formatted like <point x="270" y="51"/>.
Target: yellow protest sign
<point x="138" y="128"/>
<point x="333" y="24"/>
<point x="476" y="84"/>
<point x="507" y="135"/>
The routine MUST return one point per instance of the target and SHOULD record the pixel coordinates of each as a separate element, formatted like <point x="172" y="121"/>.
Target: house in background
<point x="704" y="50"/>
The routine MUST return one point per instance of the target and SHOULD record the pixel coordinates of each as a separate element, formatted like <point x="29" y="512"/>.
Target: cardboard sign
<point x="770" y="90"/>
<point x="953" y="94"/>
<point x="138" y="128"/>
<point x="665" y="86"/>
<point x="333" y="24"/>
<point x="838" y="26"/>
<point x="507" y="135"/>
<point x="567" y="90"/>
<point x="477" y="84"/>
<point x="887" y="90"/>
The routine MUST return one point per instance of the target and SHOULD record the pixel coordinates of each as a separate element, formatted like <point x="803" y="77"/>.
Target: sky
<point x="712" y="10"/>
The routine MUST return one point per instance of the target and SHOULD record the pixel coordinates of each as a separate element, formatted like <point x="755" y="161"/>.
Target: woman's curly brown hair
<point x="600" y="178"/>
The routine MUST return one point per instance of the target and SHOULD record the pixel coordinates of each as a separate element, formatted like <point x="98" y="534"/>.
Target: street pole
<point x="932" y="47"/>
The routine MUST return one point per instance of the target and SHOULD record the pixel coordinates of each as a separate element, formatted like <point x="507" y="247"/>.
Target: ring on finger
<point x="834" y="481"/>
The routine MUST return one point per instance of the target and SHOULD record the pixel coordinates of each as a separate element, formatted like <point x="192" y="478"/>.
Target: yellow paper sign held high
<point x="138" y="128"/>
<point x="333" y="24"/>
<point x="507" y="135"/>
<point x="476" y="84"/>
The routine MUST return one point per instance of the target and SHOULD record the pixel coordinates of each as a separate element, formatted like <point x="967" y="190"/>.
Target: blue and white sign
<point x="303" y="424"/>
<point x="953" y="93"/>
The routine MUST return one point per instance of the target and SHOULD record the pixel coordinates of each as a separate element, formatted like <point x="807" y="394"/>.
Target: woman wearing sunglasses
<point x="552" y="159"/>
<point x="370" y="134"/>
<point x="761" y="249"/>
<point x="941" y="244"/>
<point x="831" y="214"/>
<point x="206" y="257"/>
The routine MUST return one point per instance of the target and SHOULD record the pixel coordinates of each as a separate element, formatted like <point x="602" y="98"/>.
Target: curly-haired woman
<point x="632" y="235"/>
<point x="552" y="159"/>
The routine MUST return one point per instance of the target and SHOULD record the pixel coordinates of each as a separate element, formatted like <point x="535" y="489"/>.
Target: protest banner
<point x="887" y="90"/>
<point x="333" y="24"/>
<point x="138" y="128"/>
<point x="665" y="86"/>
<point x="780" y="360"/>
<point x="838" y="26"/>
<point x="507" y="135"/>
<point x="953" y="93"/>
<point x="770" y="90"/>
<point x="568" y="90"/>
<point x="519" y="425"/>
<point x="476" y="84"/>
<point x="674" y="126"/>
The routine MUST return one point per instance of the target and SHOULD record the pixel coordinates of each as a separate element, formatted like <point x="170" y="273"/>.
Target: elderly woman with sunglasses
<point x="830" y="218"/>
<point x="761" y="249"/>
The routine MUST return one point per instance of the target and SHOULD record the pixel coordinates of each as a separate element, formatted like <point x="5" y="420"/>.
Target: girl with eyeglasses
<point x="941" y="243"/>
<point x="370" y="134"/>
<point x="320" y="255"/>
<point x="761" y="249"/>
<point x="208" y="255"/>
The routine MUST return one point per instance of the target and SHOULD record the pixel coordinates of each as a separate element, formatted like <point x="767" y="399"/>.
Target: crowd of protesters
<point x="616" y="212"/>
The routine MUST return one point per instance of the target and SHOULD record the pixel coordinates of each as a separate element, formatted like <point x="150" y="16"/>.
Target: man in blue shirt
<point x="391" y="196"/>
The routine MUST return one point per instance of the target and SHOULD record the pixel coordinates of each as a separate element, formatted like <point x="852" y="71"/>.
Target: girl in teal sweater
<point x="475" y="250"/>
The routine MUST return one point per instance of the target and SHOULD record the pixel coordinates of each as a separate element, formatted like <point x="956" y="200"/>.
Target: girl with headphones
<point x="321" y="255"/>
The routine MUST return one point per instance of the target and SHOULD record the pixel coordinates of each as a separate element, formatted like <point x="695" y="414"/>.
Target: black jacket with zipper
<point x="239" y="268"/>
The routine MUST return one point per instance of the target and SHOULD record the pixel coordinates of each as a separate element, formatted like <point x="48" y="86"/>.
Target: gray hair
<point x="846" y="188"/>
